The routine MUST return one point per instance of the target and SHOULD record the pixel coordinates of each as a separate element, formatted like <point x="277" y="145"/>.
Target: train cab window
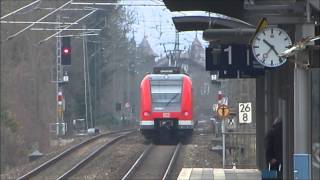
<point x="166" y="95"/>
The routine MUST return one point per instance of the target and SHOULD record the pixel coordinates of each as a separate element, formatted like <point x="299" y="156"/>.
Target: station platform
<point x="218" y="174"/>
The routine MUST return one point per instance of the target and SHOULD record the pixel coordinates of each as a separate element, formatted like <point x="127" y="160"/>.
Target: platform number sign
<point x="245" y="112"/>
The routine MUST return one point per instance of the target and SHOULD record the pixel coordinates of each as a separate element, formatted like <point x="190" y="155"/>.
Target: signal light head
<point x="66" y="50"/>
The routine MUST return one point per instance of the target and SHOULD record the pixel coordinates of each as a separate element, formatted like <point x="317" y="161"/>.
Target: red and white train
<point x="166" y="103"/>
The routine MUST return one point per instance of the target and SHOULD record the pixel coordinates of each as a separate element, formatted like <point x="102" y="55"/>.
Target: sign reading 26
<point x="245" y="112"/>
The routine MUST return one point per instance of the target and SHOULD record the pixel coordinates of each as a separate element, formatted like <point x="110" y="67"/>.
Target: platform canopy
<point x="234" y="8"/>
<point x="236" y="17"/>
<point x="278" y="12"/>
<point x="197" y="23"/>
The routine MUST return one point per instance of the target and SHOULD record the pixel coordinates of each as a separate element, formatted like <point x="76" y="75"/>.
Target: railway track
<point x="156" y="162"/>
<point x="71" y="160"/>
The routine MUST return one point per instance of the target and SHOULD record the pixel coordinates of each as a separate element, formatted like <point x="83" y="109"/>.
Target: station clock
<point x="268" y="44"/>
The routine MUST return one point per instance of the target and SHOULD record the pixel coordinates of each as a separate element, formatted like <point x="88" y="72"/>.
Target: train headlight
<point x="146" y="113"/>
<point x="186" y="113"/>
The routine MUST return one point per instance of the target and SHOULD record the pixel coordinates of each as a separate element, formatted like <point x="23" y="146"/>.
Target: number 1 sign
<point x="245" y="112"/>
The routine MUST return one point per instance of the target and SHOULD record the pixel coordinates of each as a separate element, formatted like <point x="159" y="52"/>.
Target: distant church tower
<point x="145" y="55"/>
<point x="197" y="52"/>
<point x="145" y="49"/>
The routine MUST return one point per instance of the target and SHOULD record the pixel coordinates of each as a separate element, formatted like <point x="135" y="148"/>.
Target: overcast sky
<point x="156" y="23"/>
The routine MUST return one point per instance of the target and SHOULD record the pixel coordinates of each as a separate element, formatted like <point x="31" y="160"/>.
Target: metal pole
<point x="302" y="102"/>
<point x="89" y="86"/>
<point x="170" y="59"/>
<point x="57" y="84"/>
<point x="58" y="68"/>
<point x="301" y="109"/>
<point x="308" y="11"/>
<point x="223" y="143"/>
<point x="85" y="77"/>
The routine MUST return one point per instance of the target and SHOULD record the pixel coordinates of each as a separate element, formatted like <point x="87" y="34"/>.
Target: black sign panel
<point x="233" y="61"/>
<point x="66" y="51"/>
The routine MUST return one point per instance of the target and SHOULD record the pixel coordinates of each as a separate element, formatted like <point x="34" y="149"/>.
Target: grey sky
<point x="156" y="23"/>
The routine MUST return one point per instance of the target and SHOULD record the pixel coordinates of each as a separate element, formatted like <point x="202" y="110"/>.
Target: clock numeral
<point x="286" y="39"/>
<point x="263" y="60"/>
<point x="258" y="55"/>
<point x="271" y="30"/>
<point x="280" y="32"/>
<point x="258" y="39"/>
<point x="271" y="62"/>
<point x="255" y="46"/>
<point x="264" y="32"/>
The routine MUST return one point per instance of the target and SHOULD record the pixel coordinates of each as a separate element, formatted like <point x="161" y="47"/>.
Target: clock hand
<point x="268" y="51"/>
<point x="265" y="55"/>
<point x="270" y="45"/>
<point x="274" y="50"/>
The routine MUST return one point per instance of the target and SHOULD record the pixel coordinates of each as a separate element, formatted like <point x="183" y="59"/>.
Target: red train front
<point x="166" y="102"/>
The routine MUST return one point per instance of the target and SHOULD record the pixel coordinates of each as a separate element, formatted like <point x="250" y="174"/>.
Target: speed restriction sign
<point x="245" y="112"/>
<point x="223" y="111"/>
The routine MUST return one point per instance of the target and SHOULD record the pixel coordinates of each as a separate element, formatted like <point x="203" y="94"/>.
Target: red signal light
<point x="60" y="96"/>
<point x="66" y="51"/>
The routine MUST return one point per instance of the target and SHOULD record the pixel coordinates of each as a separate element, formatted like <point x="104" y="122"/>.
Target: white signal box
<point x="245" y="112"/>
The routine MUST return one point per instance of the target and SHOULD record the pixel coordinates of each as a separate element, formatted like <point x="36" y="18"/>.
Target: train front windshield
<point x="166" y="95"/>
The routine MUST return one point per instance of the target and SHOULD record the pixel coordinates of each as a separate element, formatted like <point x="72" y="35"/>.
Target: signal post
<point x="223" y="112"/>
<point x="63" y="57"/>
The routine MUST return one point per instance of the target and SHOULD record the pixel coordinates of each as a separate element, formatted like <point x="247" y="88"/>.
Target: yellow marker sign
<point x="223" y="111"/>
<point x="262" y="24"/>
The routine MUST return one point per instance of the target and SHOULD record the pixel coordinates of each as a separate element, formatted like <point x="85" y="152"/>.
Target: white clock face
<point x="268" y="44"/>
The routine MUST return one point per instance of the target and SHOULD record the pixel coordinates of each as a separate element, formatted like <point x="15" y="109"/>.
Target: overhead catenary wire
<point x="49" y="29"/>
<point x="34" y="22"/>
<point x="67" y="27"/>
<point x="19" y="32"/>
<point x="113" y="4"/>
<point x="19" y="9"/>
<point x="77" y="35"/>
<point x="69" y="9"/>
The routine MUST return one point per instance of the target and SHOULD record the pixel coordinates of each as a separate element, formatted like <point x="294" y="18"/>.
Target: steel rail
<point x="55" y="159"/>
<point x="172" y="161"/>
<point x="92" y="155"/>
<point x="137" y="163"/>
<point x="141" y="158"/>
